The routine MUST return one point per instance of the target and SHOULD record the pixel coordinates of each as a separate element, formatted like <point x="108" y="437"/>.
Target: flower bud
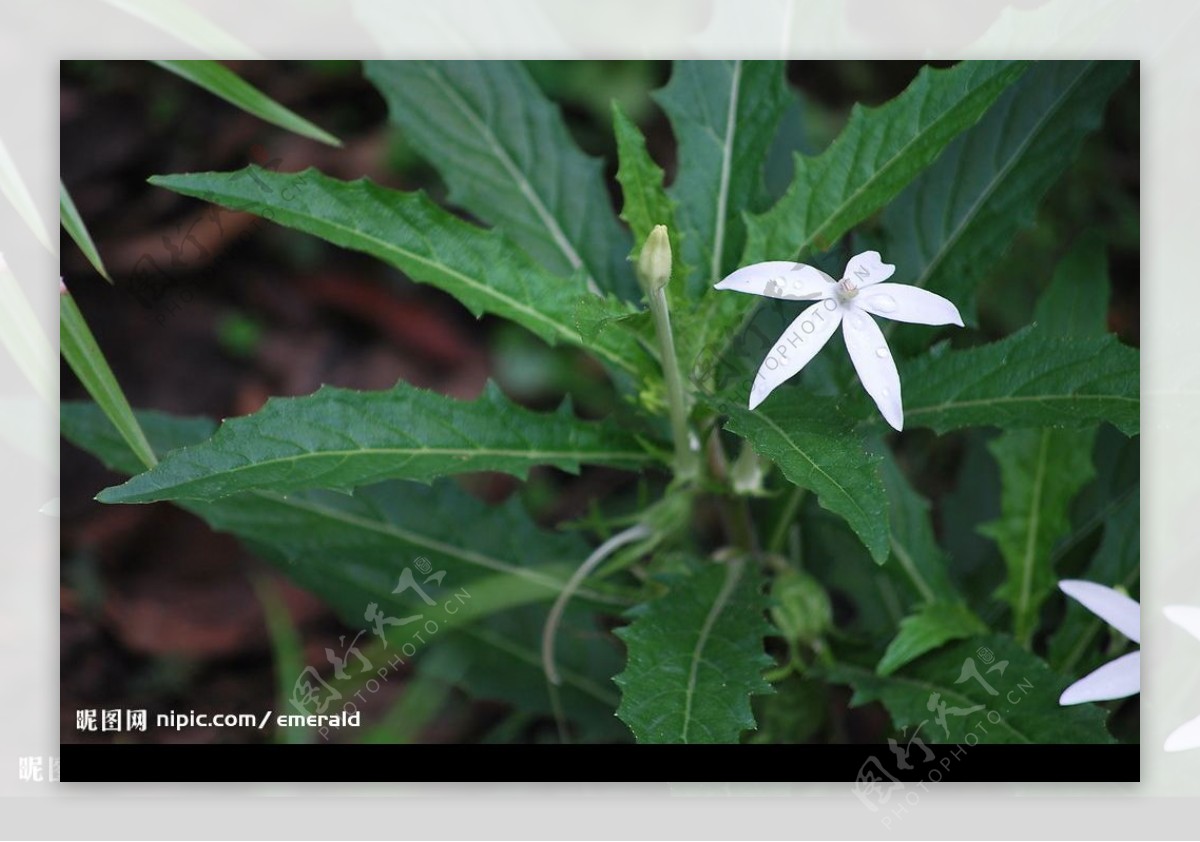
<point x="801" y="609"/>
<point x="654" y="263"/>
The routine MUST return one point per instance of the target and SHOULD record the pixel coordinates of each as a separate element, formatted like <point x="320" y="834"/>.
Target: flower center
<point x="846" y="290"/>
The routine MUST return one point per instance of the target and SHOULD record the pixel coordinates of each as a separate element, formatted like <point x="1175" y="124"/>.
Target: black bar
<point x="147" y="763"/>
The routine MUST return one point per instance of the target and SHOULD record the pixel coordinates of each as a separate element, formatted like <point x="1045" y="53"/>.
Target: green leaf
<point x="1076" y="302"/>
<point x="1025" y="699"/>
<point x="646" y="204"/>
<point x="948" y="228"/>
<point x="695" y="658"/>
<point x="646" y="201"/>
<point x="1029" y="379"/>
<point x="342" y="438"/>
<point x="504" y="152"/>
<point x="1116" y="564"/>
<point x="724" y="115"/>
<point x="876" y="155"/>
<point x="350" y="548"/>
<point x="933" y="625"/>
<point x="223" y="82"/>
<point x="74" y="226"/>
<point x="481" y="268"/>
<point x="816" y="448"/>
<point x="81" y="352"/>
<point x="915" y="550"/>
<point x="1041" y="471"/>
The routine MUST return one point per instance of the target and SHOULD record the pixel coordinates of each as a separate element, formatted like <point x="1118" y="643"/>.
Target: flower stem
<point x="786" y="517"/>
<point x="628" y="536"/>
<point x="654" y="273"/>
<point x="686" y="461"/>
<point x="739" y="524"/>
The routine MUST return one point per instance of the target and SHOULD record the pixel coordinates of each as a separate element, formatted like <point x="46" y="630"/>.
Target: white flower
<point x="1186" y="735"/>
<point x="852" y="300"/>
<point x="1116" y="679"/>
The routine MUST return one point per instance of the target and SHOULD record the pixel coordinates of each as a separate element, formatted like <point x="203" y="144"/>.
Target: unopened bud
<point x="654" y="263"/>
<point x="801" y="608"/>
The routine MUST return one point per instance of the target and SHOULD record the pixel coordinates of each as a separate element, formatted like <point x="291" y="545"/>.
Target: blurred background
<point x="214" y="311"/>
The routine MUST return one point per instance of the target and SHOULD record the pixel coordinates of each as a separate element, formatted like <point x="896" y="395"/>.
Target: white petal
<point x="780" y="279"/>
<point x="873" y="361"/>
<point x="905" y="303"/>
<point x="1113" y="607"/>
<point x="1187" y="617"/>
<point x="868" y="268"/>
<point x="801" y="341"/>
<point x="1115" y="680"/>
<point x="1184" y="737"/>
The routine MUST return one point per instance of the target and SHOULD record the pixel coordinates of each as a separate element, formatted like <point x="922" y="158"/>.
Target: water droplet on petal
<point x="883" y="302"/>
<point x="856" y="320"/>
<point x="886" y="392"/>
<point x="881" y="352"/>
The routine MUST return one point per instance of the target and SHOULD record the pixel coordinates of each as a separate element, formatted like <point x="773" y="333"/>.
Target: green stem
<point x="790" y="507"/>
<point x="686" y="462"/>
<point x="736" y="510"/>
<point x="628" y="536"/>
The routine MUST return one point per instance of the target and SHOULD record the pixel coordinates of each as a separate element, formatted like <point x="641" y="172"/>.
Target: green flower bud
<point x="800" y="607"/>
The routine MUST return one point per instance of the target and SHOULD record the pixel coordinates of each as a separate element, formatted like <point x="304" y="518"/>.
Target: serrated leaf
<point x="73" y="224"/>
<point x="504" y="151"/>
<point x="876" y="155"/>
<point x="224" y="83"/>
<point x="483" y="269"/>
<point x="915" y="550"/>
<point x="949" y="226"/>
<point x="696" y="657"/>
<point x="1025" y="696"/>
<point x="1115" y="564"/>
<point x="934" y="624"/>
<point x="816" y="448"/>
<point x="1040" y="473"/>
<point x="724" y="115"/>
<point x="1029" y="379"/>
<point x="351" y="548"/>
<point x="646" y="203"/>
<point x="342" y="438"/>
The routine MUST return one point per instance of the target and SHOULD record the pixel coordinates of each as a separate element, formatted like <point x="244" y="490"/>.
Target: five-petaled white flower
<point x="850" y="302"/>
<point x="1187" y="735"/>
<point x="1116" y="679"/>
